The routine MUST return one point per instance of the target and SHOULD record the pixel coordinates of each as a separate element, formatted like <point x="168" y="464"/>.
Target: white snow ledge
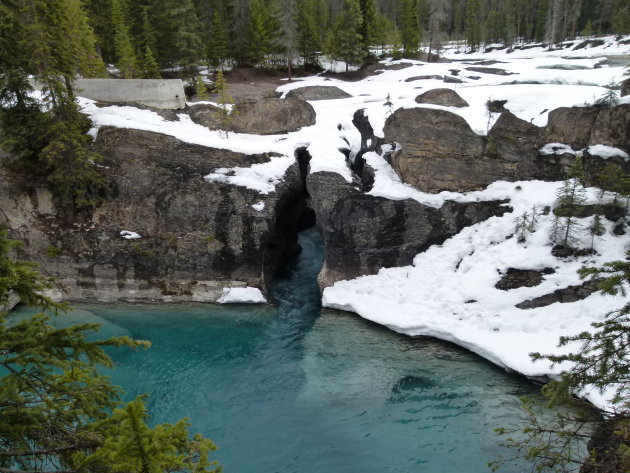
<point x="242" y="295"/>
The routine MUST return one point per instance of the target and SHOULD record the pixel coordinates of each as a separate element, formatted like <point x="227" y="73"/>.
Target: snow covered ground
<point x="449" y="291"/>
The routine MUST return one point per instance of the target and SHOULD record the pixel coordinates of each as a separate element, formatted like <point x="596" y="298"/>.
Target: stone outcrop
<point x="568" y="294"/>
<point x="583" y="126"/>
<point x="196" y="237"/>
<point x="364" y="233"/>
<point x="515" y="278"/>
<point x="489" y="70"/>
<point x="206" y="115"/>
<point x="438" y="150"/>
<point x="445" y="97"/>
<point x="318" y="92"/>
<point x="272" y="116"/>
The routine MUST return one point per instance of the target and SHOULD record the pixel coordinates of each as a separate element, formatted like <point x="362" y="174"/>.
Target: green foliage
<point x="200" y="88"/>
<point x="218" y="49"/>
<point x="48" y="143"/>
<point x="348" y="42"/>
<point x="596" y="229"/>
<point x="571" y="197"/>
<point x="601" y="363"/>
<point x="126" y="60"/>
<point x="53" y="252"/>
<point x="525" y="224"/>
<point x="409" y="27"/>
<point x="610" y="98"/>
<point x="308" y="38"/>
<point x="57" y="413"/>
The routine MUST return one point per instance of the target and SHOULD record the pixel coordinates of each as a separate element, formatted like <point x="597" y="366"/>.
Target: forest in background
<point x="141" y="37"/>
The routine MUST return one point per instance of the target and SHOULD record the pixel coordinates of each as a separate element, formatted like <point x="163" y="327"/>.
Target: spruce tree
<point x="218" y="48"/>
<point x="409" y="27"/>
<point x="571" y="197"/>
<point x="349" y="45"/>
<point x="369" y="27"/>
<point x="308" y="36"/>
<point x="259" y="34"/>
<point x="126" y="61"/>
<point x="473" y="33"/>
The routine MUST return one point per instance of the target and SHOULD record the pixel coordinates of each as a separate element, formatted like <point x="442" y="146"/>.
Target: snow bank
<point x="449" y="292"/>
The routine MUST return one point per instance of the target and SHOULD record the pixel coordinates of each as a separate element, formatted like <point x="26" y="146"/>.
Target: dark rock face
<point x="438" y="151"/>
<point x="206" y="115"/>
<point x="197" y="236"/>
<point x="568" y="294"/>
<point x="606" y="444"/>
<point x="318" y="92"/>
<point x="582" y="126"/>
<point x="272" y="116"/>
<point x="445" y="97"/>
<point x="515" y="278"/>
<point x="364" y="233"/>
<point x="625" y="88"/>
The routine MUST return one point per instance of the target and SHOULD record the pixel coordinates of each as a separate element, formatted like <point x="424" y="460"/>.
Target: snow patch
<point x="241" y="295"/>
<point x="606" y="152"/>
<point x="129" y="235"/>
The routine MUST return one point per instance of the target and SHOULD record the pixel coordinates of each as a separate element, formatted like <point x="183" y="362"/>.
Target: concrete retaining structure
<point x="156" y="93"/>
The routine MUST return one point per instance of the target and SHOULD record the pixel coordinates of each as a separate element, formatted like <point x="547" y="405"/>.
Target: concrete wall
<point x="157" y="93"/>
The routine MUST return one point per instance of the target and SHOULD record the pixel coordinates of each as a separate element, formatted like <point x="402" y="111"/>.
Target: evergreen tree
<point x="200" y="88"/>
<point x="89" y="64"/>
<point x="349" y="46"/>
<point x="601" y="363"/>
<point x="596" y="229"/>
<point x="126" y="61"/>
<point x="55" y="407"/>
<point x="621" y="17"/>
<point x="259" y="34"/>
<point x="409" y="27"/>
<point x="178" y="33"/>
<point x="308" y="37"/>
<point x="541" y="19"/>
<point x="148" y="65"/>
<point x="473" y="34"/>
<point x="46" y="141"/>
<point x="369" y="26"/>
<point x="612" y="179"/>
<point x="571" y="197"/>
<point x="218" y="48"/>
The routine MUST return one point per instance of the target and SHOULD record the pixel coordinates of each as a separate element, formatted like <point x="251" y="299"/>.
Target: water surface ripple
<point x="290" y="388"/>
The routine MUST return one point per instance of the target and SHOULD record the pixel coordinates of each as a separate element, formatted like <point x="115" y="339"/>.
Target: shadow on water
<point x="293" y="388"/>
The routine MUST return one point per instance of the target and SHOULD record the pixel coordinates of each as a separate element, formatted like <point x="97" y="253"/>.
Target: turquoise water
<point x="290" y="388"/>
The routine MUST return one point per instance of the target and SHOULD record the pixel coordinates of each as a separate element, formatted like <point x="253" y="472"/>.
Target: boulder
<point x="272" y="116"/>
<point x="515" y="278"/>
<point x="206" y="115"/>
<point x="364" y="233"/>
<point x="318" y="92"/>
<point x="568" y="294"/>
<point x="445" y="97"/>
<point x="195" y="237"/>
<point x="438" y="151"/>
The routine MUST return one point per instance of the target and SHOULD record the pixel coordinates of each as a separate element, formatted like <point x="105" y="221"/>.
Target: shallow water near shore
<point x="291" y="388"/>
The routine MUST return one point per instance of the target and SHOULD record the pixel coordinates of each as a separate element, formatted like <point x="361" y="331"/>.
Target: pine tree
<point x="200" y="88"/>
<point x="43" y="36"/>
<point x="571" y="197"/>
<point x="148" y="65"/>
<point x="348" y="40"/>
<point x="308" y="36"/>
<point x="259" y="34"/>
<point x="596" y="229"/>
<point x="178" y="34"/>
<point x="126" y="61"/>
<point x="541" y="19"/>
<point x="473" y="34"/>
<point x="409" y="27"/>
<point x="55" y="407"/>
<point x="89" y="64"/>
<point x="218" y="49"/>
<point x="369" y="28"/>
